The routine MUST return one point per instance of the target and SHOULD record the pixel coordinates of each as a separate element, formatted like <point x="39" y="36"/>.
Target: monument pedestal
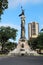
<point x="23" y="46"/>
<point x="23" y="49"/>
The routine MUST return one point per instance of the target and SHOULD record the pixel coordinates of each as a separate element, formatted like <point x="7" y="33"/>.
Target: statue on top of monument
<point x="22" y="11"/>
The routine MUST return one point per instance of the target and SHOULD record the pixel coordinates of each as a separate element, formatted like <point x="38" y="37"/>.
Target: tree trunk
<point x="2" y="46"/>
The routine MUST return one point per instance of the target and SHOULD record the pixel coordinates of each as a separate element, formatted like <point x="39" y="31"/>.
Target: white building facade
<point x="33" y="30"/>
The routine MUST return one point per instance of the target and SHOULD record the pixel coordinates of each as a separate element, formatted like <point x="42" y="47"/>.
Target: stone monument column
<point x="23" y="48"/>
<point x="22" y="24"/>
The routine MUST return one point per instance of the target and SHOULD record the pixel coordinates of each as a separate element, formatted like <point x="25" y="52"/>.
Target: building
<point x="33" y="30"/>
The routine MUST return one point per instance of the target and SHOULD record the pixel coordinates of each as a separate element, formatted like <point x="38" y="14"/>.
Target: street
<point x="22" y="60"/>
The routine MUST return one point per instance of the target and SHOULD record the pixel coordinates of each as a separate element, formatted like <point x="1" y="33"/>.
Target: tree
<point x="3" y="6"/>
<point x="33" y="43"/>
<point x="7" y="33"/>
<point x="10" y="45"/>
<point x="40" y="41"/>
<point x="37" y="43"/>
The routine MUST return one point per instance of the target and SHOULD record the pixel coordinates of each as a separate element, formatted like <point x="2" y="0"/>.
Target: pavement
<point x="21" y="60"/>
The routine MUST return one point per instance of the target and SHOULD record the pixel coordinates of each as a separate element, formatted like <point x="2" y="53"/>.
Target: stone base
<point x="23" y="49"/>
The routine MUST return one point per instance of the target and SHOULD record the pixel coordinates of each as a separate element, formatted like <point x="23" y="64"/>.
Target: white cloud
<point x="11" y="25"/>
<point x="14" y="3"/>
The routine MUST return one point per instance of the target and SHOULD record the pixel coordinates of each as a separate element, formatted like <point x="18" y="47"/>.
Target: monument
<point x="22" y="48"/>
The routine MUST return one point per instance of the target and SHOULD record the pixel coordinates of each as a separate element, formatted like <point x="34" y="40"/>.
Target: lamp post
<point x="3" y="6"/>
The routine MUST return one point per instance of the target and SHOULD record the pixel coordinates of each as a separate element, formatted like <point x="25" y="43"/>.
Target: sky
<point x="33" y="12"/>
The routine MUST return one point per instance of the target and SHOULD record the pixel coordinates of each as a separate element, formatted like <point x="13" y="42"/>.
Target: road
<point x="22" y="60"/>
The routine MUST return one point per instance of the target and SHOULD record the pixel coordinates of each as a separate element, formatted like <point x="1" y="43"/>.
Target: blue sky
<point x="33" y="12"/>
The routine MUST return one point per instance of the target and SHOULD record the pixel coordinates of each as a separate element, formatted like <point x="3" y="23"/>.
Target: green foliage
<point x="3" y="6"/>
<point x="37" y="42"/>
<point x="10" y="45"/>
<point x="33" y="43"/>
<point x="7" y="33"/>
<point x="40" y="40"/>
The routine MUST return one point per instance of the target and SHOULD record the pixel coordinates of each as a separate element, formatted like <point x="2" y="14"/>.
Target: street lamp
<point x="3" y="6"/>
